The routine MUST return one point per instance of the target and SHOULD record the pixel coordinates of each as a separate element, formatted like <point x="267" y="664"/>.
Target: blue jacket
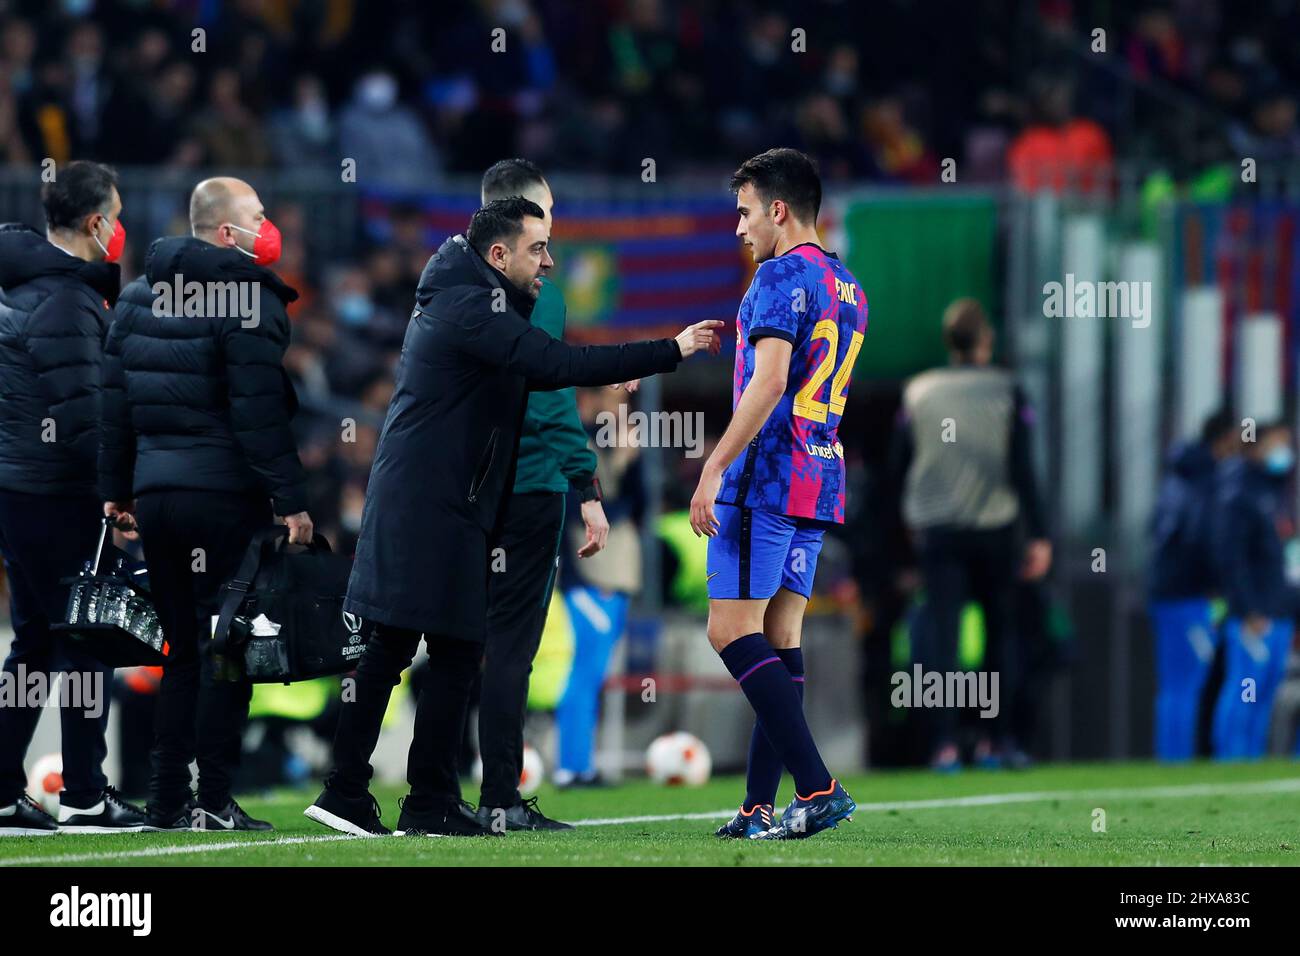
<point x="1182" y="562"/>
<point x="1246" y="544"/>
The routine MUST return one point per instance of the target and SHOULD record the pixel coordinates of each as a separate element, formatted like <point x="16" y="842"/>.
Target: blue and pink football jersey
<point x="795" y="465"/>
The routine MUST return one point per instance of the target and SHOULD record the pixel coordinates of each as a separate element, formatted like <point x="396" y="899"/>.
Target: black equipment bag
<point x="110" y="612"/>
<point x="282" y="617"/>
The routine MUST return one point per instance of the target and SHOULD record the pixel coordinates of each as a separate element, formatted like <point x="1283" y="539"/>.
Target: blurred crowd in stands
<point x="414" y="90"/>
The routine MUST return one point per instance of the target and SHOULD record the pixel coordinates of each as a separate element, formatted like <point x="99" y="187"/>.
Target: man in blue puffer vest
<point x="1183" y="579"/>
<point x="1248" y="545"/>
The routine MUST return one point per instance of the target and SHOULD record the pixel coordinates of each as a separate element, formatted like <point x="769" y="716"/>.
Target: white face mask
<point x="378" y="92"/>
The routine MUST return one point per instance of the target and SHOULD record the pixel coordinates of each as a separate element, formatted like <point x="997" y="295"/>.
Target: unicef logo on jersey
<point x="829" y="452"/>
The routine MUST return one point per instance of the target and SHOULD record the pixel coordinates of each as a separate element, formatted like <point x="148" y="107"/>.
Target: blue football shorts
<point x="756" y="552"/>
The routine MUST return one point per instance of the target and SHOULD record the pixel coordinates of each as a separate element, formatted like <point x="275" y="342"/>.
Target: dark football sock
<point x="763" y="772"/>
<point x="767" y="684"/>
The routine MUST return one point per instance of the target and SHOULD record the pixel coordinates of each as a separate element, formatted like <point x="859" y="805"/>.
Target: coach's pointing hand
<point x="700" y="337"/>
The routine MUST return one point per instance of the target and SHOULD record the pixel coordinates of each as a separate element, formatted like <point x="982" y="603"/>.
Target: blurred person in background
<point x="230" y="133"/>
<point x="387" y="139"/>
<point x="900" y="152"/>
<point x="87" y="87"/>
<point x="302" y="134"/>
<point x="171" y="128"/>
<point x="1058" y="150"/>
<point x="963" y="453"/>
<point x="1183" y="579"/>
<point x="598" y="587"/>
<point x="1250" y="524"/>
<point x="1272" y="135"/>
<point x="55" y="296"/>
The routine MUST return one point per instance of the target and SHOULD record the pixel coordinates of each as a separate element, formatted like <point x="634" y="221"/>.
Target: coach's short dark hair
<point x="510" y="177"/>
<point x="79" y="189"/>
<point x="784" y="174"/>
<point x="500" y="219"/>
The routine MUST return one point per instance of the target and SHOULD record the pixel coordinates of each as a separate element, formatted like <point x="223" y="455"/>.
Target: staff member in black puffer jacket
<point x="55" y="295"/>
<point x="444" y="466"/>
<point x="196" y="410"/>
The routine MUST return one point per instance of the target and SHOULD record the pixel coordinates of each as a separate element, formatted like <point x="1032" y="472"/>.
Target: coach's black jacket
<point x="447" y="451"/>
<point x="199" y="402"/>
<point x="54" y="311"/>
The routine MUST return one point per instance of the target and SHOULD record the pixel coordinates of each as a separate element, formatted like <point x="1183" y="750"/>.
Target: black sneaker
<point x="177" y="818"/>
<point x="230" y="817"/>
<point x="26" y="817"/>
<point x="357" y="817"/>
<point x="524" y="815"/>
<point x="442" y="819"/>
<point x="110" y="814"/>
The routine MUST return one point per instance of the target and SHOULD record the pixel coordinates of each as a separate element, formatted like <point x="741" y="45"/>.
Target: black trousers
<point x="441" y="711"/>
<point x="193" y="543"/>
<point x="958" y="566"/>
<point x="518" y="595"/>
<point x="45" y="538"/>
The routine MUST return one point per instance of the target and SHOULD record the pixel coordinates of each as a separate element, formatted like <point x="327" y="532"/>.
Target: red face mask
<point x="266" y="247"/>
<point x="116" y="243"/>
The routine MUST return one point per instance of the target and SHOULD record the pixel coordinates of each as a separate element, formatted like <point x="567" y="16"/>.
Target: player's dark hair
<point x="500" y="219"/>
<point x="79" y="189"/>
<point x="784" y="174"/>
<point x="964" y="324"/>
<point x="510" y="177"/>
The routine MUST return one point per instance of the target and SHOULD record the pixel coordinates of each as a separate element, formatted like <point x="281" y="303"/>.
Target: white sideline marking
<point x="995" y="799"/>
<point x="169" y="850"/>
<point x="1289" y="785"/>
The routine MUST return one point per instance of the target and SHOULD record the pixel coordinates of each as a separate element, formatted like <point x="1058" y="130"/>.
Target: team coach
<point x="196" y="411"/>
<point x="443" y="467"/>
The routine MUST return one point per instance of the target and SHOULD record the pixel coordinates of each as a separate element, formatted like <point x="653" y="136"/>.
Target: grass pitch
<point x="1236" y="814"/>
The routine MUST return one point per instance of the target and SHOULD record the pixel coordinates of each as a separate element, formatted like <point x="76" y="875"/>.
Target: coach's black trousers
<point x="958" y="566"/>
<point x="45" y="538"/>
<point x="193" y="543"/>
<point x="519" y="590"/>
<point x="441" y="711"/>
